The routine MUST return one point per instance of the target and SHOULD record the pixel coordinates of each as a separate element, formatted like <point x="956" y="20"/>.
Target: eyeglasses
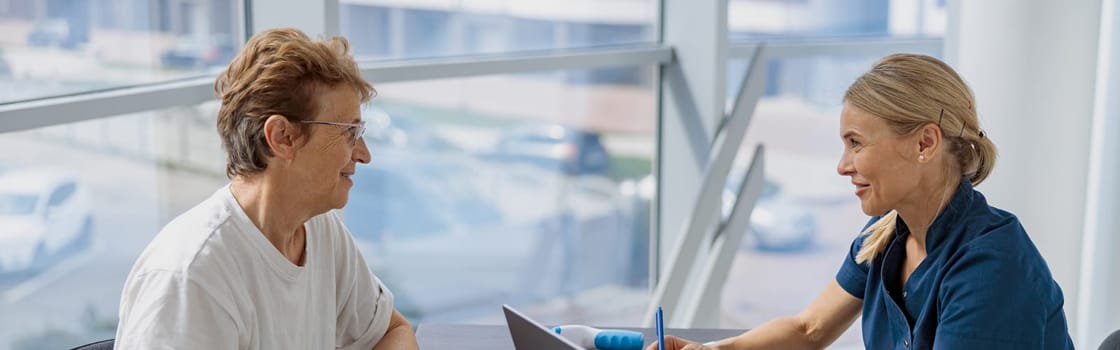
<point x="353" y="130"/>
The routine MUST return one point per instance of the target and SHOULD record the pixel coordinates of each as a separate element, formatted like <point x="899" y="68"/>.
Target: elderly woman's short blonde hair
<point x="279" y="71"/>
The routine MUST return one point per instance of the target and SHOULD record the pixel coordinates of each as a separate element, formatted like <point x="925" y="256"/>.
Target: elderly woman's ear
<point x="282" y="136"/>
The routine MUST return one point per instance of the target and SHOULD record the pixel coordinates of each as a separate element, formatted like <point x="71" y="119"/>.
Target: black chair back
<point x="1112" y="342"/>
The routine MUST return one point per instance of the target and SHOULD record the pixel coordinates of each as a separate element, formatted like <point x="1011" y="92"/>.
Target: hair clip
<point x="942" y="116"/>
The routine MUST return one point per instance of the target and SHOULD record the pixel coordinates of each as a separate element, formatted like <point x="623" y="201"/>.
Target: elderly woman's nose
<point x="361" y="152"/>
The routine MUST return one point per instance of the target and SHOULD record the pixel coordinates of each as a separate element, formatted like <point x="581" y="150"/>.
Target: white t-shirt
<point x="211" y="280"/>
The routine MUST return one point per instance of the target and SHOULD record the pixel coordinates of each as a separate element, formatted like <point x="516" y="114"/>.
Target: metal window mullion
<point x="691" y="104"/>
<point x="68" y="109"/>
<point x="838" y="47"/>
<point x="442" y="68"/>
<point x="701" y="303"/>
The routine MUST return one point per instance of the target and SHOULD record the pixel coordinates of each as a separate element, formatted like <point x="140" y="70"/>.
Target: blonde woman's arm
<point x="833" y="311"/>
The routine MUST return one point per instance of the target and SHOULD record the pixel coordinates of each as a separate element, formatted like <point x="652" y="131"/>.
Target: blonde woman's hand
<point x="674" y="343"/>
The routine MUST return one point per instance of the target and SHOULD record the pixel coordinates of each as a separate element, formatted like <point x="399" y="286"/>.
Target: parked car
<point x="563" y="148"/>
<point x="43" y="214"/>
<point x="195" y="53"/>
<point x="777" y="223"/>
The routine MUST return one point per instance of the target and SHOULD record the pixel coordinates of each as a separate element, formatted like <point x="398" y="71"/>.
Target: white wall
<point x="1098" y="309"/>
<point x="1032" y="65"/>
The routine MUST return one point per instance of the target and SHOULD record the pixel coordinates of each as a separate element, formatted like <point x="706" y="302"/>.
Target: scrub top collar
<point x="949" y="217"/>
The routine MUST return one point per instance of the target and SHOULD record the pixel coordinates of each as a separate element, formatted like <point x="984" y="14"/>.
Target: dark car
<point x="193" y="53"/>
<point x="567" y="149"/>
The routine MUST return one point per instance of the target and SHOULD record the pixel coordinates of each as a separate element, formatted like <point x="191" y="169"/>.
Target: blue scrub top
<point x="982" y="285"/>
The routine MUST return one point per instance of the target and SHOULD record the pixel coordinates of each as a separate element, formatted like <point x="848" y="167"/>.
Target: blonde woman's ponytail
<point x="878" y="236"/>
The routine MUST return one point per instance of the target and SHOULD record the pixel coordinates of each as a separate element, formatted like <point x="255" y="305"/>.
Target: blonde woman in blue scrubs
<point x="936" y="267"/>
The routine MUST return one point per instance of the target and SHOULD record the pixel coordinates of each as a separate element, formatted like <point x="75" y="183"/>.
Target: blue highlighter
<point x="601" y="339"/>
<point x="660" y="329"/>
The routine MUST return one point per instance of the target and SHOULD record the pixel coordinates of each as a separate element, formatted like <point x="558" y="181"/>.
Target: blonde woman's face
<point x="881" y="164"/>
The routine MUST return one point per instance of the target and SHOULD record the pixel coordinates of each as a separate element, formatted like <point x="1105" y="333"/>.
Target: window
<point x="530" y="189"/>
<point x="454" y="225"/>
<point x="507" y="189"/>
<point x="128" y="176"/>
<point x="385" y="29"/>
<point x="52" y="48"/>
<point x="783" y="18"/>
<point x="373" y="22"/>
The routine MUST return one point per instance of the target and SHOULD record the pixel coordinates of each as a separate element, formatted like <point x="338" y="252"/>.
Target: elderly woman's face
<point x="881" y="164"/>
<point x="328" y="158"/>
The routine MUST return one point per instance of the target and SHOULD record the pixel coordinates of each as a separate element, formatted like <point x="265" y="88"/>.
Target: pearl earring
<point x="921" y="157"/>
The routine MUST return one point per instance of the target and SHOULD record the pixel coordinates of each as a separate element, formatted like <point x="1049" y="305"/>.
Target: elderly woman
<point x="265" y="263"/>
<point x="936" y="267"/>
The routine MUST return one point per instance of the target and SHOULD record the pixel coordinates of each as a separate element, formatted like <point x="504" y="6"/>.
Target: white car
<point x="42" y="214"/>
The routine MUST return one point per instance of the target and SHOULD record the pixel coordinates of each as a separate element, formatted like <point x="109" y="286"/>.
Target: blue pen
<point x="660" y="330"/>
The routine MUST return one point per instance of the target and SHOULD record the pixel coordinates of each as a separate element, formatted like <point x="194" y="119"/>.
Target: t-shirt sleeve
<point x="365" y="304"/>
<point x="852" y="276"/>
<point x="164" y="310"/>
